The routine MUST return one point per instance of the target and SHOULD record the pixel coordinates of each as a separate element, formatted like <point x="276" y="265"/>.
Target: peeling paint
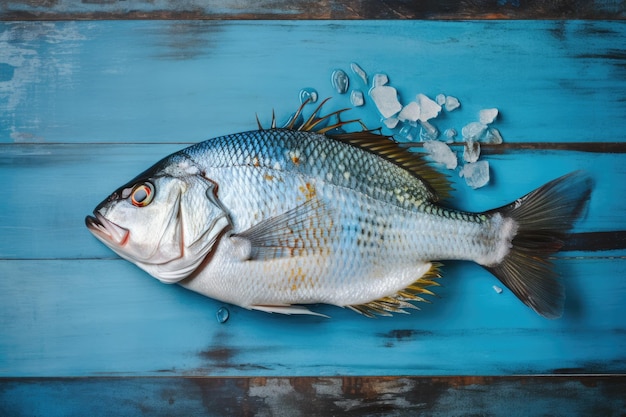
<point x="33" y="56"/>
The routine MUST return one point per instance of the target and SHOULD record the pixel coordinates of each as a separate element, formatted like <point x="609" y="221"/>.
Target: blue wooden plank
<point x="107" y="317"/>
<point x="163" y="81"/>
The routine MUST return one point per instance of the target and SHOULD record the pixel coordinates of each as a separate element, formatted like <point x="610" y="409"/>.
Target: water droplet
<point x="308" y="94"/>
<point x="222" y="315"/>
<point x="339" y="80"/>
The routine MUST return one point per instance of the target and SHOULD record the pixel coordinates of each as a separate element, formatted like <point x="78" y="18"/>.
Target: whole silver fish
<point x="276" y="218"/>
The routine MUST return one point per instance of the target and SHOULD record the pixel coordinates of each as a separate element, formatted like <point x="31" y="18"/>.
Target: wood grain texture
<point x="321" y="396"/>
<point x="312" y="9"/>
<point x="85" y="106"/>
<point x="182" y="82"/>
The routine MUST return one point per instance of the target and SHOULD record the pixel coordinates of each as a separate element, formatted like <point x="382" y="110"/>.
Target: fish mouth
<point x="106" y="230"/>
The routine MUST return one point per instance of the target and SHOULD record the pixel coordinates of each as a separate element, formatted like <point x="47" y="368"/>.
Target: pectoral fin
<point x="304" y="230"/>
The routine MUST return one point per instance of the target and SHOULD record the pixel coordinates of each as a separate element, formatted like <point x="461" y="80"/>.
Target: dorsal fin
<point x="392" y="151"/>
<point x="381" y="145"/>
<point x="400" y="301"/>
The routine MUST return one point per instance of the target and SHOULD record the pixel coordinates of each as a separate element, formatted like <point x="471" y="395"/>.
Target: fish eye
<point x="142" y="194"/>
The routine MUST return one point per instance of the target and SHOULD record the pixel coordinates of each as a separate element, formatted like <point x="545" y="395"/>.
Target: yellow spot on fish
<point x="255" y="162"/>
<point x="346" y="175"/>
<point x="308" y="190"/>
<point x="268" y="177"/>
<point x="295" y="157"/>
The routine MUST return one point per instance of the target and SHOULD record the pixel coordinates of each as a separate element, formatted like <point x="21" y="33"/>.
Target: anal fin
<point x="287" y="309"/>
<point x="402" y="300"/>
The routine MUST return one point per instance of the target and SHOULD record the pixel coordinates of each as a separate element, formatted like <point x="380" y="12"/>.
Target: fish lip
<point x="106" y="230"/>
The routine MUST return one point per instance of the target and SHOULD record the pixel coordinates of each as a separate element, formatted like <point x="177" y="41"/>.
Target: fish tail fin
<point x="543" y="219"/>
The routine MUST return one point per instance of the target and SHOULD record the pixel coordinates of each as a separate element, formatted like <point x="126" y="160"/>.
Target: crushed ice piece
<point x="308" y="94"/>
<point x="428" y="132"/>
<point x="493" y="136"/>
<point x="339" y="80"/>
<point x="408" y="132"/>
<point x="440" y="99"/>
<point x="359" y="71"/>
<point x="386" y="100"/>
<point x="429" y="109"/>
<point x="471" y="151"/>
<point x="391" y="122"/>
<point x="452" y="103"/>
<point x="410" y="112"/>
<point x="379" y="79"/>
<point x="487" y="116"/>
<point x="450" y="134"/>
<point x="356" y="98"/>
<point x="473" y="131"/>
<point x="476" y="174"/>
<point x="441" y="153"/>
<point x="497" y="289"/>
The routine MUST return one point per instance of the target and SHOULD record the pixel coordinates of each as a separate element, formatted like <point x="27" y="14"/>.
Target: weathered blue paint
<point x="180" y="81"/>
<point x="85" y="106"/>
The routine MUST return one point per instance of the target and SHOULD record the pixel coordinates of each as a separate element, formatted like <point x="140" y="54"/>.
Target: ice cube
<point x="473" y="131"/>
<point x="356" y="98"/>
<point x="471" y="151"/>
<point x="408" y="132"/>
<point x="452" y="103"/>
<point x="493" y="136"/>
<point x="476" y="174"/>
<point x="487" y="116"/>
<point x="440" y="99"/>
<point x="359" y="71"/>
<point x="339" y="80"/>
<point x="380" y="79"/>
<point x="450" y="134"/>
<point x="386" y="100"/>
<point x="391" y="122"/>
<point x="429" y="109"/>
<point x="441" y="153"/>
<point x="410" y="112"/>
<point x="428" y="132"/>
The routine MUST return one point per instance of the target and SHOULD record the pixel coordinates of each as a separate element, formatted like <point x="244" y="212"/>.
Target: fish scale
<point x="276" y="218"/>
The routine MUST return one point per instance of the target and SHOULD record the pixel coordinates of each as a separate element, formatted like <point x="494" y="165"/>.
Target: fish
<point x="280" y="218"/>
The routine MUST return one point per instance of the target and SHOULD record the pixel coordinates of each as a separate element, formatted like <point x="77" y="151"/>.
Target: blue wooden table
<point x="86" y="105"/>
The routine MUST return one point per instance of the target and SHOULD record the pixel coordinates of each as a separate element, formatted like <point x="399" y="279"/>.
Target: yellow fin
<point x="399" y="302"/>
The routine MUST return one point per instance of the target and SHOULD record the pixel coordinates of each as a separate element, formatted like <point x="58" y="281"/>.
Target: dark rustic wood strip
<point x="593" y="147"/>
<point x="596" y="241"/>
<point x="575" y="395"/>
<point x="312" y="9"/>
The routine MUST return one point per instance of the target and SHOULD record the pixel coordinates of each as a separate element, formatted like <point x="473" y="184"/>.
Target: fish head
<point x="165" y="221"/>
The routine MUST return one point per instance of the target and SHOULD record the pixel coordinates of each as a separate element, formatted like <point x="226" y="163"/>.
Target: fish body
<point x="276" y="218"/>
